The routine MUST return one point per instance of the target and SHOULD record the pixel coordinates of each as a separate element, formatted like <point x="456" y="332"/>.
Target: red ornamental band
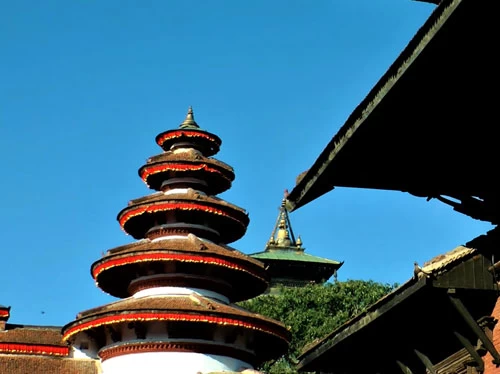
<point x="4" y="313"/>
<point x="34" y="349"/>
<point x="166" y="257"/>
<point x="180" y="133"/>
<point x="178" y="317"/>
<point x="172" y="206"/>
<point x="177" y="346"/>
<point x="147" y="171"/>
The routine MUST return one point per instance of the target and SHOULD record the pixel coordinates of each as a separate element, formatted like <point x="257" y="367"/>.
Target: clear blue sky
<point x="86" y="86"/>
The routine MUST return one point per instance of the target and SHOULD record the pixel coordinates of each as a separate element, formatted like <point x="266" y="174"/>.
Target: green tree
<point x="314" y="311"/>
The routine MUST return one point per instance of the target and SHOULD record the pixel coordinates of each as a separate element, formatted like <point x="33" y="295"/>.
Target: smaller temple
<point x="285" y="258"/>
<point x="37" y="349"/>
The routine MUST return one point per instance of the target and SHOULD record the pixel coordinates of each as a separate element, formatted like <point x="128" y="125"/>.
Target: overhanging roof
<point x="419" y="315"/>
<point x="428" y="126"/>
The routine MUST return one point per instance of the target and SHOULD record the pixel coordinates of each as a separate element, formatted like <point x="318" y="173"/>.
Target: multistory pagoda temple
<point x="178" y="281"/>
<point x="286" y="260"/>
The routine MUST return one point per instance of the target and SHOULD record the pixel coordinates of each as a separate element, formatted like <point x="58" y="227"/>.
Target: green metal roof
<point x="291" y="255"/>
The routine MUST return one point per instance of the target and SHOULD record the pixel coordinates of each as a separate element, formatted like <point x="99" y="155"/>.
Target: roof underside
<point x="426" y="127"/>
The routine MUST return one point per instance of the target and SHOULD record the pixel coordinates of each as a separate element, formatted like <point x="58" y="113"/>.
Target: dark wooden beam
<point x="471" y="322"/>
<point x="140" y="330"/>
<point x="472" y="273"/>
<point x="115" y="334"/>
<point x="470" y="348"/>
<point x="405" y="369"/>
<point x="425" y="360"/>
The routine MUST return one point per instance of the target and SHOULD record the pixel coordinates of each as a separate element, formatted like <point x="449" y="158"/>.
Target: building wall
<point x="170" y="363"/>
<point x="489" y="366"/>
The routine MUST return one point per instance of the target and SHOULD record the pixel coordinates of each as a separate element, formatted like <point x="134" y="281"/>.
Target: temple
<point x="425" y="129"/>
<point x="286" y="261"/>
<point x="179" y="280"/>
<point x="177" y="283"/>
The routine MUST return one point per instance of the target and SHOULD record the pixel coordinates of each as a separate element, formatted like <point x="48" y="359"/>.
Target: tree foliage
<point x="314" y="311"/>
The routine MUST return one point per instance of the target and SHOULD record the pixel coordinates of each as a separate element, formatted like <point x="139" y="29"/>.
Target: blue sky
<point x="86" y="86"/>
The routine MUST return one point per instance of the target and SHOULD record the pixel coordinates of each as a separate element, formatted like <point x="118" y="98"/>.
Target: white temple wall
<point x="83" y="347"/>
<point x="180" y="291"/>
<point x="170" y="363"/>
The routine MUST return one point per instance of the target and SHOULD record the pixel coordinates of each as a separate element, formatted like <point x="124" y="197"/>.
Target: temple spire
<point x="189" y="122"/>
<point x="282" y="236"/>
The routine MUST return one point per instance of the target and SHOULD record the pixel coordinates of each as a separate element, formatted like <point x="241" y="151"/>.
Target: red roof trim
<point x="177" y="346"/>
<point x="4" y="313"/>
<point x="130" y="317"/>
<point x="18" y="348"/>
<point x="147" y="171"/>
<point x="171" y="206"/>
<point x="179" y="133"/>
<point x="167" y="257"/>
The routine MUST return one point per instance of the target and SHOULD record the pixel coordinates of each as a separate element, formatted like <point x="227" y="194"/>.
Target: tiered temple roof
<point x="286" y="260"/>
<point x="179" y="280"/>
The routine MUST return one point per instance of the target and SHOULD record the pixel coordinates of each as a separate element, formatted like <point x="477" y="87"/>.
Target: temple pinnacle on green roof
<point x="285" y="258"/>
<point x="189" y="122"/>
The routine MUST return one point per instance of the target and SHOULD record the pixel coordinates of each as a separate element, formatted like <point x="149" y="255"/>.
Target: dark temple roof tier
<point x="187" y="169"/>
<point x="182" y="262"/>
<point x="192" y="317"/>
<point x="219" y="219"/>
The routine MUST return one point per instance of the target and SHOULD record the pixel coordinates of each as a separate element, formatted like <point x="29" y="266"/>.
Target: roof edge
<point x="424" y="35"/>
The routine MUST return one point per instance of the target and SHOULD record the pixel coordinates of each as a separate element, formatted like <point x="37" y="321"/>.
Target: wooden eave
<point x="419" y="315"/>
<point x="426" y="127"/>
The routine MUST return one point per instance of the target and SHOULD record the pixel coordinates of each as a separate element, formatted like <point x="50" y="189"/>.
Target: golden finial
<point x="299" y="242"/>
<point x="189" y="121"/>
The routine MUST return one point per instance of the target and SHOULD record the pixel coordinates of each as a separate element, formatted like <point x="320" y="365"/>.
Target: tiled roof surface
<point x="22" y="364"/>
<point x="444" y="261"/>
<point x="32" y="335"/>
